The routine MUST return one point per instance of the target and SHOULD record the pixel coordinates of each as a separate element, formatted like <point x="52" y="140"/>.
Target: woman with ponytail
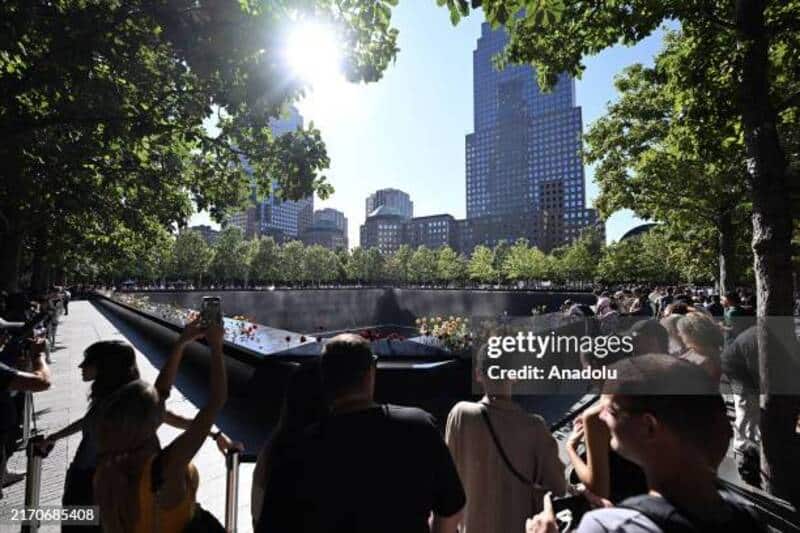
<point x="139" y="487"/>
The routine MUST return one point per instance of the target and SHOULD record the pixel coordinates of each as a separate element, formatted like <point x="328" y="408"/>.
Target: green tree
<point x="741" y="59"/>
<point x="191" y="256"/>
<point x="293" y="263"/>
<point x="524" y="263"/>
<point x="578" y="260"/>
<point x="424" y="265"/>
<point x="232" y="255"/>
<point x="342" y="260"/>
<point x="358" y="265"/>
<point x="320" y="264"/>
<point x="104" y="103"/>
<point x="682" y="169"/>
<point x="374" y="265"/>
<point x="265" y="263"/>
<point x="481" y="265"/>
<point x="449" y="266"/>
<point x="398" y="265"/>
<point x="501" y="251"/>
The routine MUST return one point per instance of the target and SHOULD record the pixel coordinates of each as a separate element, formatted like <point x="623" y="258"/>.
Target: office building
<point x="329" y="229"/>
<point x="432" y="232"/>
<point x="284" y="220"/>
<point x="383" y="229"/>
<point x="333" y="216"/>
<point x="523" y="160"/>
<point x="399" y="201"/>
<point x="208" y="233"/>
<point x="247" y="221"/>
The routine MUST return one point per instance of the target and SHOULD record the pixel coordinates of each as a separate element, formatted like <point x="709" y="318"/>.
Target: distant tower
<point x="283" y="220"/>
<point x="523" y="160"/>
<point x="399" y="201"/>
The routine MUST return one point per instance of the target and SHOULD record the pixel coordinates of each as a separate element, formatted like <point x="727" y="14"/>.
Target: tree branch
<point x="708" y="13"/>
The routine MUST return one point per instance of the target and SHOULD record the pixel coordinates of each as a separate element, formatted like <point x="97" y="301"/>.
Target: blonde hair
<point x="698" y="330"/>
<point x="126" y="438"/>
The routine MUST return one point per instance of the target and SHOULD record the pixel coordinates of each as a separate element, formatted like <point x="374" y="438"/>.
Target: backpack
<point x="670" y="519"/>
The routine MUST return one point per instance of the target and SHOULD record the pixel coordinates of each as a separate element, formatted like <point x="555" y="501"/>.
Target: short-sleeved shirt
<point x="497" y="501"/>
<point x="384" y="469"/>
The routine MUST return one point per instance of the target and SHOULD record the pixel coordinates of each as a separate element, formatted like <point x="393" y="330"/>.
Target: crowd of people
<point x="28" y="328"/>
<point x="644" y="458"/>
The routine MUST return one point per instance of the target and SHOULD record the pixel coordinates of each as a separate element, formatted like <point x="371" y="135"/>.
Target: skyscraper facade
<point x="397" y="200"/>
<point x="284" y="220"/>
<point x="329" y="230"/>
<point x="523" y="161"/>
<point x="334" y="216"/>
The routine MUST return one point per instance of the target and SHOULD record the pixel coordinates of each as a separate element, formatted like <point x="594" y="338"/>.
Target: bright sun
<point x="314" y="54"/>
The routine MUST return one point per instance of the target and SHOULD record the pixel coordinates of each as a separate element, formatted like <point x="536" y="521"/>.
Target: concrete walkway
<point x="66" y="402"/>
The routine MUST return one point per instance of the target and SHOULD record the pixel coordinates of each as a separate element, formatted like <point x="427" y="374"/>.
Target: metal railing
<point x="233" y="459"/>
<point x="28" y="422"/>
<point x="33" y="481"/>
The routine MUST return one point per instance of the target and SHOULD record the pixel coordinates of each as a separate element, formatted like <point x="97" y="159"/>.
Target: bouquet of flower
<point x="452" y="332"/>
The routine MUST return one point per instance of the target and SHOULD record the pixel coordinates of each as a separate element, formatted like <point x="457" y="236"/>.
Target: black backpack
<point x="670" y="519"/>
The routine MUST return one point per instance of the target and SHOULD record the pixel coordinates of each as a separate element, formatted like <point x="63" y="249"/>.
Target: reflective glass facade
<point x="285" y="220"/>
<point x="524" y="139"/>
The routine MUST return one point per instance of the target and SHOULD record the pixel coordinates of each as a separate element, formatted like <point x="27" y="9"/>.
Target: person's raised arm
<point x="179" y="453"/>
<point x="38" y="378"/>
<point x="594" y="473"/>
<point x="166" y="378"/>
<point x="224" y="442"/>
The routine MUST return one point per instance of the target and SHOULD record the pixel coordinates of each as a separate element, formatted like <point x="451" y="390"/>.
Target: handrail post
<point x="27" y="417"/>
<point x="231" y="490"/>
<point x="33" y="481"/>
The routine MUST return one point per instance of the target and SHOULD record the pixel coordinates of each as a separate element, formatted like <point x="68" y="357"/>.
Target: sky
<point x="407" y="131"/>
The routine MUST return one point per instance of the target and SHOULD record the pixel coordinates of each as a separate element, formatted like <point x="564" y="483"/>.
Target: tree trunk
<point x="772" y="231"/>
<point x="726" y="253"/>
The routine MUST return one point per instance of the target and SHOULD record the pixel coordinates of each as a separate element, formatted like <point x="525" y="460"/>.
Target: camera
<point x="211" y="311"/>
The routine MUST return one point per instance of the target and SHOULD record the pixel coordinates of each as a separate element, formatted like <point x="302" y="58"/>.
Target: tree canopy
<point x="104" y="108"/>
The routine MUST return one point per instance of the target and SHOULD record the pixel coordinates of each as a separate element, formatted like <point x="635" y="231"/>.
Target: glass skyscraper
<point x="523" y="161"/>
<point x="283" y="220"/>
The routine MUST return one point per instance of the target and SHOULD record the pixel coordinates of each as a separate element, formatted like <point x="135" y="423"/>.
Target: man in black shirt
<point x="12" y="379"/>
<point x="366" y="467"/>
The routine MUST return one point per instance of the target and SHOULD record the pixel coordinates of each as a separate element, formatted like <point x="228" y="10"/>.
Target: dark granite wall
<point x="333" y="309"/>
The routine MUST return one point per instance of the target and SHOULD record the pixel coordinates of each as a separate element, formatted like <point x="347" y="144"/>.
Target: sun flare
<point x="313" y="52"/>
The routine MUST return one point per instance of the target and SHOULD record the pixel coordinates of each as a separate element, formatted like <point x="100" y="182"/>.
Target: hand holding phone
<point x="211" y="311"/>
<point x="193" y="330"/>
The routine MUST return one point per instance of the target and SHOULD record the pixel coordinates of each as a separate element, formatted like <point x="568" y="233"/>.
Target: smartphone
<point x="570" y="509"/>
<point x="211" y="311"/>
